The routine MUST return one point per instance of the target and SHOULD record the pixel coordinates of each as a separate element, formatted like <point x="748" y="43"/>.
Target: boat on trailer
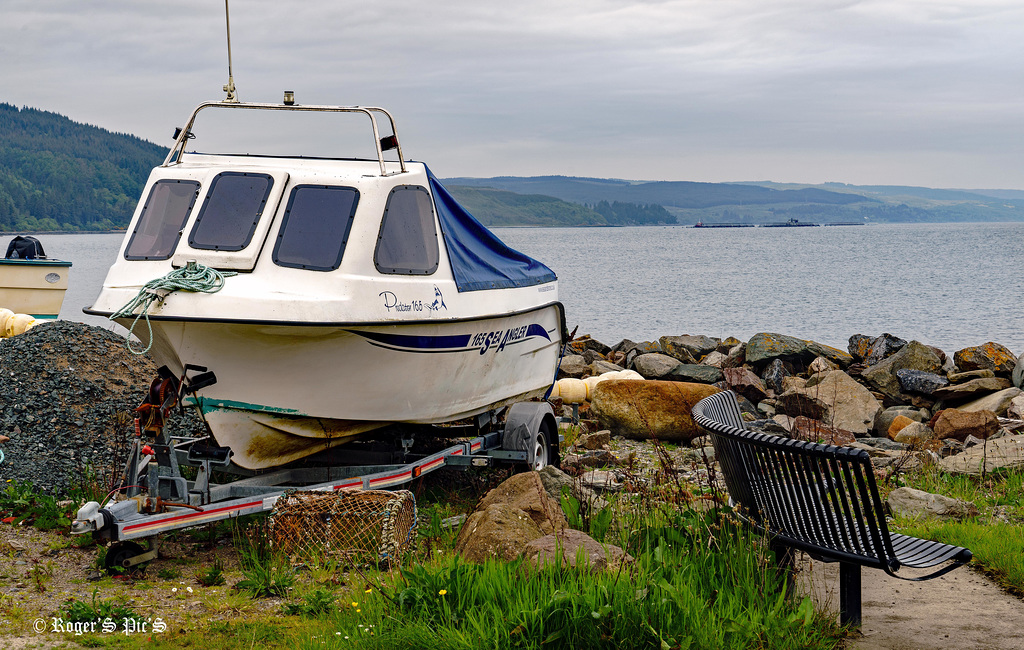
<point x="358" y="293"/>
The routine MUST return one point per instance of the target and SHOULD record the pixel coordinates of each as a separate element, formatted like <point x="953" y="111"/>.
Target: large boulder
<point x="919" y="381"/>
<point x="499" y="531"/>
<point x="957" y="424"/>
<point x="512" y="514"/>
<point x="912" y="356"/>
<point x="804" y="428"/>
<point x="837" y="400"/>
<point x="883" y="347"/>
<point x="990" y="356"/>
<point x="688" y="348"/>
<point x="1005" y="453"/>
<point x="648" y="409"/>
<point x="996" y="402"/>
<point x="972" y="388"/>
<point x="563" y="549"/>
<point x="654" y="365"/>
<point x="909" y="502"/>
<point x="695" y="372"/>
<point x="526" y="491"/>
<point x="746" y="383"/>
<point x="835" y="355"/>
<point x="572" y="365"/>
<point x="766" y="346"/>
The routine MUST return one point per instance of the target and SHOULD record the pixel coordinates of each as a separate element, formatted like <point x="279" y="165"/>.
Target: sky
<point x="890" y="92"/>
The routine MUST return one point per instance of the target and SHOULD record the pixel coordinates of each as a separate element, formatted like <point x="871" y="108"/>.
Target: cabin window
<point x="407" y="242"/>
<point x="230" y="212"/>
<point x="163" y="216"/>
<point x="315" y="227"/>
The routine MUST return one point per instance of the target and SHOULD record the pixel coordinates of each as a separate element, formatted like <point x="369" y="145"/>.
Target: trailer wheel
<point x="546" y="451"/>
<point x="117" y="554"/>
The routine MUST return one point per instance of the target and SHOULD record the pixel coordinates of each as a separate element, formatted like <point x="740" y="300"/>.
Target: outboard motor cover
<point x="25" y="248"/>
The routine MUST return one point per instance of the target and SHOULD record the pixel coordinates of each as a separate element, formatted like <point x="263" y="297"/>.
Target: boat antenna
<point x="229" y="87"/>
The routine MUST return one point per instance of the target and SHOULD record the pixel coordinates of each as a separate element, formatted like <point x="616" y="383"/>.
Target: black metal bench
<point x="817" y="498"/>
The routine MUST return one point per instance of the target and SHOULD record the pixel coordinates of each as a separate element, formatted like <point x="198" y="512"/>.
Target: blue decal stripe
<point x="425" y="343"/>
<point x="537" y="330"/>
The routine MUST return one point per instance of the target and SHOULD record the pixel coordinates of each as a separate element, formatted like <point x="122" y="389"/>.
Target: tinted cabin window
<point x="315" y="227"/>
<point x="408" y="240"/>
<point x="230" y="212"/>
<point x="159" y="227"/>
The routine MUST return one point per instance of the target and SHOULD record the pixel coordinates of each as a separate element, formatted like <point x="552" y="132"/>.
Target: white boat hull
<point x="284" y="392"/>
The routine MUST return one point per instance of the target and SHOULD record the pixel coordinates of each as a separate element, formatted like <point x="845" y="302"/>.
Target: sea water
<point x="947" y="285"/>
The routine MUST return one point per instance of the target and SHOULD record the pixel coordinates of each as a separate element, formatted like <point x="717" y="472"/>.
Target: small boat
<point x="30" y="282"/>
<point x="358" y="293"/>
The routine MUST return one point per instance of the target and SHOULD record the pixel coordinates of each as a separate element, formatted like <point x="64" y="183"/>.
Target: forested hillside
<point x="56" y="174"/>
<point x="500" y="208"/>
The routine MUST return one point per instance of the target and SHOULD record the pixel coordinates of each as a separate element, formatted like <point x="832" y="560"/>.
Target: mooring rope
<point x="192" y="277"/>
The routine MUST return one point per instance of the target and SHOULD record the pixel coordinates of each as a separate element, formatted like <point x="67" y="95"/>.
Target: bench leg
<point x="849" y="594"/>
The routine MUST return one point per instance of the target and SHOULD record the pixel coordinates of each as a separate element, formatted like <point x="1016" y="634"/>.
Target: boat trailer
<point x="528" y="438"/>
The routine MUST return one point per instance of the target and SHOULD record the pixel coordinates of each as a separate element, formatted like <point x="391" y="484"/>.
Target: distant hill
<point x="502" y="208"/>
<point x="768" y="202"/>
<point x="56" y="174"/>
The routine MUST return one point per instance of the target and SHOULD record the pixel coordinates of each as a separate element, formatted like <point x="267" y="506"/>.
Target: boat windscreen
<point x="478" y="258"/>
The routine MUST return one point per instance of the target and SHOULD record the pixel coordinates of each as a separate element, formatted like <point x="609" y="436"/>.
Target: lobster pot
<point x="373" y="526"/>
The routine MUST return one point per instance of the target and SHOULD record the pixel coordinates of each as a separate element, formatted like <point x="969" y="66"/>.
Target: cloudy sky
<point x="915" y="92"/>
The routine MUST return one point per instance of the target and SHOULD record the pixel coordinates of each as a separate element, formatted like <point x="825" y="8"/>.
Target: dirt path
<point x="962" y="609"/>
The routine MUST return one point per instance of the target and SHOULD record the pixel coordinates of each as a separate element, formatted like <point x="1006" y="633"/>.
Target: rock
<point x="556" y="482"/>
<point x="590" y="356"/>
<point x="898" y="423"/>
<point x="746" y="383"/>
<point x="563" y="549"/>
<point x="600" y="367"/>
<point x="499" y="531"/>
<point x="971" y="388"/>
<point x="805" y="428"/>
<point x="694" y="372"/>
<point x="736" y="356"/>
<point x="909" y="502"/>
<point x="913" y="356"/>
<point x="883" y="347"/>
<point x="990" y="356"/>
<point x="821" y="364"/>
<point x="957" y="424"/>
<point x="654" y="365"/>
<point x="919" y="381"/>
<point x="584" y="342"/>
<point x="688" y="348"/>
<point x="572" y="365"/>
<point x="774" y="374"/>
<point x="1017" y="377"/>
<point x="716" y="360"/>
<point x="915" y="434"/>
<point x="601" y="481"/>
<point x="961" y="377"/>
<point x="526" y="492"/>
<point x="1016" y="408"/>
<point x="1006" y="453"/>
<point x="859" y="346"/>
<point x="998" y="403"/>
<point x="644" y="409"/>
<point x="837" y="400"/>
<point x="835" y="355"/>
<point x="885" y="418"/>
<point x="645" y="347"/>
<point x="594" y="440"/>
<point x="767" y="346"/>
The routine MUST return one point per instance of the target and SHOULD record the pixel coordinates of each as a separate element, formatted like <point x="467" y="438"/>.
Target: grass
<point x="995" y="536"/>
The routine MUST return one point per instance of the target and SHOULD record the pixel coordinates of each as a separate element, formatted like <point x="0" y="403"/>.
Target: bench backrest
<point x="815" y="497"/>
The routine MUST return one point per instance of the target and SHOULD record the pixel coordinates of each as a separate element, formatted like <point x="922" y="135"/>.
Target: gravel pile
<point x="67" y="392"/>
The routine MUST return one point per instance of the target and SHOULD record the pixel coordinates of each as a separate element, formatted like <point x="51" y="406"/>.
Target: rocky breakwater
<point x="905" y="402"/>
<point x="67" y="395"/>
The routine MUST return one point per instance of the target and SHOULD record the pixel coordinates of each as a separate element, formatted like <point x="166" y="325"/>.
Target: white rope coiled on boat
<point x="192" y="277"/>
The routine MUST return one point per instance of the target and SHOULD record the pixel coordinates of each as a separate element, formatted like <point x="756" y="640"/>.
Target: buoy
<point x="4" y="315"/>
<point x="18" y="324"/>
<point x="572" y="391"/>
